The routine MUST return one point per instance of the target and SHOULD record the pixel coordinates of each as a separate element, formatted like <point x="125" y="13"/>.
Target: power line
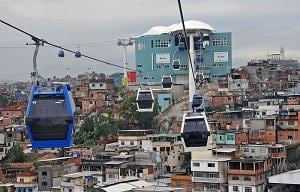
<point x="185" y="38"/>
<point x="36" y="39"/>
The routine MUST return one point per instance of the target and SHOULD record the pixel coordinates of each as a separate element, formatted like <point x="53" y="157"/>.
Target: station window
<point x="210" y="165"/>
<point x="196" y="164"/>
<point x="220" y="41"/>
<point x="248" y="189"/>
<point x="141" y="46"/>
<point x="162" y="43"/>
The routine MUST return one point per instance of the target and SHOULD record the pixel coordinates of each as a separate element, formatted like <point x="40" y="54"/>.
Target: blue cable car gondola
<point x="77" y="54"/>
<point x="181" y="46"/>
<point x="50" y="117"/>
<point x="61" y="53"/>
<point x="197" y="102"/>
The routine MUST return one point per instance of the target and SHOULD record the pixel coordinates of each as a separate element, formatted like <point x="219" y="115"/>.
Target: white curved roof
<point x="189" y="25"/>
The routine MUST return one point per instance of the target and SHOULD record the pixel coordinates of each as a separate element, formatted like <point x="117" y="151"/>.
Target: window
<point x="29" y="190"/>
<point x="264" y="113"/>
<point x="290" y="137"/>
<point x="44" y="173"/>
<point x="1" y="149"/>
<point x="291" y="123"/>
<point x="131" y="142"/>
<point x="220" y="41"/>
<point x="19" y="190"/>
<point x="178" y="184"/>
<point x="235" y="178"/>
<point x="252" y="150"/>
<point x="122" y="143"/>
<point x="230" y="137"/>
<point x="21" y="180"/>
<point x="247" y="178"/>
<point x="196" y="164"/>
<point x="44" y="183"/>
<point x="93" y="85"/>
<point x="179" y="158"/>
<point x="142" y="46"/>
<point x="248" y="189"/>
<point x="154" y="149"/>
<point x="162" y="43"/>
<point x="235" y="188"/>
<point x="210" y="165"/>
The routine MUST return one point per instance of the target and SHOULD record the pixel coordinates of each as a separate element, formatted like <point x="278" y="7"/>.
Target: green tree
<point x="145" y="119"/>
<point x="16" y="155"/>
<point x="128" y="111"/>
<point x="3" y="189"/>
<point x="3" y="101"/>
<point x="86" y="132"/>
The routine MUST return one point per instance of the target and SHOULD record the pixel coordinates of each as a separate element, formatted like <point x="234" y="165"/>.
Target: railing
<point x="279" y="155"/>
<point x="206" y="179"/>
<point x="244" y="172"/>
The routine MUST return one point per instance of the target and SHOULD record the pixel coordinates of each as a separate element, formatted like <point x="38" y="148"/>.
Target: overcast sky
<point x="258" y="27"/>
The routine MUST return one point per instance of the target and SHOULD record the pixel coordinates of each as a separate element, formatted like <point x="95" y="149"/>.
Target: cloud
<point x="258" y="28"/>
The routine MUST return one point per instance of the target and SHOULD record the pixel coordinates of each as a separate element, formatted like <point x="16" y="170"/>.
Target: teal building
<point x="162" y="51"/>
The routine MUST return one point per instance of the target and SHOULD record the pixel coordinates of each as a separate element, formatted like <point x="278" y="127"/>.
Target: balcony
<point x="206" y="190"/>
<point x="26" y="185"/>
<point x="208" y="180"/>
<point x="279" y="155"/>
<point x="244" y="172"/>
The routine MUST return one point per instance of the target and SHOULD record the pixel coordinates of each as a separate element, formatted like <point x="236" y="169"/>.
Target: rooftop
<point x="189" y="25"/>
<point x="290" y="177"/>
<point x="82" y="174"/>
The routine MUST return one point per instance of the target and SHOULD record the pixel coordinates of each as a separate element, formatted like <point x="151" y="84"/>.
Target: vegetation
<point x="16" y="155"/>
<point x="213" y="108"/>
<point x="3" y="101"/>
<point x="128" y="111"/>
<point x="3" y="189"/>
<point x="93" y="128"/>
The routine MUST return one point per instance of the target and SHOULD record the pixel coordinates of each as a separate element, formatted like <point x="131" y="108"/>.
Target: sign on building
<point x="220" y="57"/>
<point x="162" y="58"/>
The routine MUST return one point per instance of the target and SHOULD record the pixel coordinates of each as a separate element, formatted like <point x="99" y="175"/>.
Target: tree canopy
<point x="16" y="155"/>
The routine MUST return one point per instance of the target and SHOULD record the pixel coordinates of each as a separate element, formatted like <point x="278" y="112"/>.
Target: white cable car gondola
<point x="145" y="100"/>
<point x="167" y="82"/>
<point x="195" y="132"/>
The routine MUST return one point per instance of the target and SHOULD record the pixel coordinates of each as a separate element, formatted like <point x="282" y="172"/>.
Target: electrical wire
<point x="185" y="38"/>
<point x="42" y="41"/>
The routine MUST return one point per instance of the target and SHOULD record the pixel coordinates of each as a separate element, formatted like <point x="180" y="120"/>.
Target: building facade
<point x="161" y="48"/>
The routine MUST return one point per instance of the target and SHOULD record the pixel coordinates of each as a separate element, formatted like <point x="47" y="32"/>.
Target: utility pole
<point x="125" y="43"/>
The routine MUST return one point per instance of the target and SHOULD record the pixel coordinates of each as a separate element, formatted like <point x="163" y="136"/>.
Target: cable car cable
<point x="63" y="48"/>
<point x="185" y="38"/>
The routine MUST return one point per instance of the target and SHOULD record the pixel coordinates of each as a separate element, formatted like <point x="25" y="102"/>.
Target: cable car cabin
<point x="50" y="117"/>
<point x="167" y="82"/>
<point x="145" y="100"/>
<point x="197" y="103"/>
<point x="195" y="132"/>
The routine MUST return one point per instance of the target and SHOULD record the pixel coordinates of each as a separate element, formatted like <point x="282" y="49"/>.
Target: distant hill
<point x="2" y="81"/>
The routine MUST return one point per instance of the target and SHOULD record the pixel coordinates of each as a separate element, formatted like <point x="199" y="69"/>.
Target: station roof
<point x="189" y="25"/>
